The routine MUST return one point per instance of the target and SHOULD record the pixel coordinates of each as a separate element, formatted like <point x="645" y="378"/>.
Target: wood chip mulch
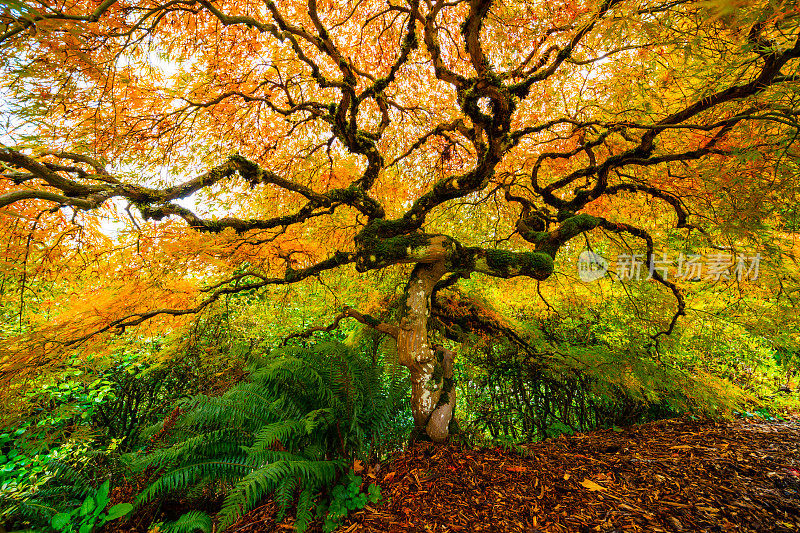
<point x="672" y="475"/>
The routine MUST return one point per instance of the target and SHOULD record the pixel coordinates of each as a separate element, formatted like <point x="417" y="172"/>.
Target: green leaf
<point x="119" y="510"/>
<point x="374" y="493"/>
<point x="88" y="506"/>
<point x="86" y="527"/>
<point x="102" y="495"/>
<point x="60" y="520"/>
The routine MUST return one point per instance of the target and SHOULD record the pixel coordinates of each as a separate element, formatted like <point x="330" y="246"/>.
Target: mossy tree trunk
<point x="433" y="394"/>
<point x="430" y="366"/>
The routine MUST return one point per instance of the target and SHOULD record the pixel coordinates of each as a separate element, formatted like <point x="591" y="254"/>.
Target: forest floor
<point x="670" y="475"/>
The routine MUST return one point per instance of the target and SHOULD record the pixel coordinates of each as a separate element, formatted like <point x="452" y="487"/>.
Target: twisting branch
<point x="521" y="89"/>
<point x="671" y="199"/>
<point x="347" y="312"/>
<point x="455" y="125"/>
<point x="33" y="16"/>
<point x="550" y="242"/>
<point x="642" y="153"/>
<point x="159" y="203"/>
<point x="676" y="292"/>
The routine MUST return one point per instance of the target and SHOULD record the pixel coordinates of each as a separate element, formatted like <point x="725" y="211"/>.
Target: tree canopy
<point x="159" y="156"/>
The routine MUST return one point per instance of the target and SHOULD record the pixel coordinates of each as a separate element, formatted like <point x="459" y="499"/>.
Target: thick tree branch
<point x="158" y="203"/>
<point x="31" y="17"/>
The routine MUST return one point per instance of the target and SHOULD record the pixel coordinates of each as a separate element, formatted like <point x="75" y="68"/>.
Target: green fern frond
<point x="190" y="522"/>
<point x="266" y="480"/>
<point x="241" y="406"/>
<point x="70" y="479"/>
<point x="285" y="434"/>
<point x="314" y="452"/>
<point x="182" y="477"/>
<point x="251" y="489"/>
<point x="284" y="495"/>
<point x="304" y="510"/>
<point x="34" y="510"/>
<point x="214" y="443"/>
<point x="293" y="374"/>
<point x="258" y="459"/>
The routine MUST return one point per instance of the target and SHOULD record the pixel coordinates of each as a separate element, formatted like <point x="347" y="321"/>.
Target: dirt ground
<point x="671" y="475"/>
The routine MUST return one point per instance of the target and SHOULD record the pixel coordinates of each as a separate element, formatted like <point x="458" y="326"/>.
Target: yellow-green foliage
<point x="639" y="378"/>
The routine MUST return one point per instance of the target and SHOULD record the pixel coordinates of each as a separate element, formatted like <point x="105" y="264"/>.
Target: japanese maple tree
<point x="240" y="145"/>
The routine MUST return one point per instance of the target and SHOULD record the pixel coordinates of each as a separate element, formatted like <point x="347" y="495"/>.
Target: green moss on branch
<point x="508" y="264"/>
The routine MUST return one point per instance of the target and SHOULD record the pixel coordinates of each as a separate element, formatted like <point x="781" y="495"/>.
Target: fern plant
<point x="294" y="426"/>
<point x="191" y="522"/>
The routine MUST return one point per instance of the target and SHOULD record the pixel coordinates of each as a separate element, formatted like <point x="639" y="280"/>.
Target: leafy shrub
<point x="90" y="514"/>
<point x="141" y="392"/>
<point x="292" y="427"/>
<point x="27" y="478"/>
<point x="346" y="497"/>
<point x="18" y="470"/>
<point x="65" y="501"/>
<point x="47" y="460"/>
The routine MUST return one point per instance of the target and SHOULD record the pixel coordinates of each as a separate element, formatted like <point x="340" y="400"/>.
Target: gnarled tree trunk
<point x="433" y="393"/>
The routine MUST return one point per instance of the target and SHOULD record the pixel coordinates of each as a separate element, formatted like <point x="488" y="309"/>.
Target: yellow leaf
<point x="591" y="485"/>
